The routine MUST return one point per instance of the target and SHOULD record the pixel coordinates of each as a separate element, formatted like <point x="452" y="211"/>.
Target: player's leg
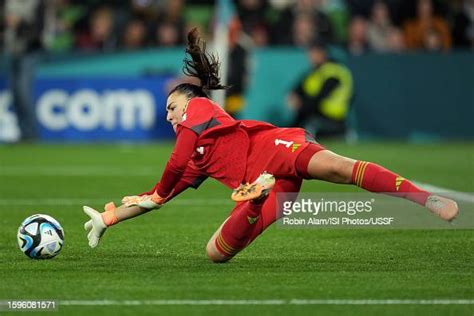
<point x="328" y="166"/>
<point x="232" y="235"/>
<point x="247" y="221"/>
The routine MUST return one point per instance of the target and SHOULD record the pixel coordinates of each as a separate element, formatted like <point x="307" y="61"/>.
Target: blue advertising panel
<point x="102" y="109"/>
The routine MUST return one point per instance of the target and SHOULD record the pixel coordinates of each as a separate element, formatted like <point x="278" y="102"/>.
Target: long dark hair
<point x="202" y="65"/>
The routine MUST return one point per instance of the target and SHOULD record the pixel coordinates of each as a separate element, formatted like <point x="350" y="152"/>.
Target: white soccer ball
<point x="40" y="237"/>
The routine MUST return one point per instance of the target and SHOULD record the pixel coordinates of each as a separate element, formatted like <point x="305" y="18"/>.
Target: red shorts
<point x="283" y="152"/>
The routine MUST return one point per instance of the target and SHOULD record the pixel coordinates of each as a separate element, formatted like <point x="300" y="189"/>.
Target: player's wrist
<point x="158" y="198"/>
<point x="147" y="202"/>
<point x="109" y="218"/>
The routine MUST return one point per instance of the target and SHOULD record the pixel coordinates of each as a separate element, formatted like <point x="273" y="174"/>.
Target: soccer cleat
<point x="445" y="208"/>
<point x="256" y="190"/>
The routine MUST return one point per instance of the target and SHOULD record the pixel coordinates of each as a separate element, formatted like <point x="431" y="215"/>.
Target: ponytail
<point x="202" y="64"/>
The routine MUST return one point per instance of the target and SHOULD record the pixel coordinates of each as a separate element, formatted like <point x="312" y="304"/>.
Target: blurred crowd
<point x="28" y="28"/>
<point x="358" y="25"/>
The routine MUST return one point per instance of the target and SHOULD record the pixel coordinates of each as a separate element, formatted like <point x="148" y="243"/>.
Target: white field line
<point x="455" y="195"/>
<point x="101" y="201"/>
<point x="268" y="302"/>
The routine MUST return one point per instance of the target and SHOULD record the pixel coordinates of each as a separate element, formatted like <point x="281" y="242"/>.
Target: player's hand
<point x="149" y="202"/>
<point x="95" y="226"/>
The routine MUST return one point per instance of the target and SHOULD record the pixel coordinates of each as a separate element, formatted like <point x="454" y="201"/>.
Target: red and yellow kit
<point x="210" y="143"/>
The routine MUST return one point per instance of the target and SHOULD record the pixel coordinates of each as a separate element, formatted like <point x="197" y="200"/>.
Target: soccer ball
<point x="40" y="237"/>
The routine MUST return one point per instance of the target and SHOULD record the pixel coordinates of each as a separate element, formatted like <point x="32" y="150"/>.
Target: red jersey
<point x="212" y="143"/>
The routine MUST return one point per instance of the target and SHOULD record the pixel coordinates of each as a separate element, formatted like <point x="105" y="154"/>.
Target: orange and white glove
<point x="96" y="226"/>
<point x="149" y="202"/>
<point x="99" y="222"/>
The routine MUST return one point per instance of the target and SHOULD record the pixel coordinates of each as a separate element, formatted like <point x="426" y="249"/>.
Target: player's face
<point x="175" y="108"/>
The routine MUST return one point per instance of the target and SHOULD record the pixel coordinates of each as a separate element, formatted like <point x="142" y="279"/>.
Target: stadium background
<point x="98" y="103"/>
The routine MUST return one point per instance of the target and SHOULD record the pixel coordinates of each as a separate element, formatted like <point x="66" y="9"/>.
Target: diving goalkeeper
<point x="255" y="159"/>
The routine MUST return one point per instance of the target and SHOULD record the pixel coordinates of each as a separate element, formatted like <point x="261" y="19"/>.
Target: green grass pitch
<point x="161" y="255"/>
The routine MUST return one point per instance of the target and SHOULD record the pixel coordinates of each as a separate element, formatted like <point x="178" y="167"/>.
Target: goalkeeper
<point x="210" y="143"/>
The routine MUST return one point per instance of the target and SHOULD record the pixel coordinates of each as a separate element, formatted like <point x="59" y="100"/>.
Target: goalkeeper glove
<point x="96" y="226"/>
<point x="149" y="202"/>
<point x="98" y="223"/>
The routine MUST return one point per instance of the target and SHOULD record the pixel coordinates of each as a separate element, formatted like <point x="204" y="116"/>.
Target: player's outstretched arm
<point x="132" y="207"/>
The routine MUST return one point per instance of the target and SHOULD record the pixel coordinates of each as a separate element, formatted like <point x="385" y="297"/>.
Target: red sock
<point x="237" y="230"/>
<point x="375" y="178"/>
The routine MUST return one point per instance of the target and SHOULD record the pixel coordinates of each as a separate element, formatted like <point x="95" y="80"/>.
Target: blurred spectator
<point x="251" y="13"/>
<point x="463" y="30"/>
<point x="173" y="12"/>
<point x="338" y="15"/>
<point x="303" y="30"/>
<point x="61" y="17"/>
<point x="134" y="35"/>
<point x="305" y="15"/>
<point x="357" y="38"/>
<point x="427" y="31"/>
<point x="361" y="7"/>
<point x="23" y="21"/>
<point x="147" y="10"/>
<point x="170" y="29"/>
<point x="100" y="32"/>
<point x="260" y="36"/>
<point x="168" y="35"/>
<point x="321" y="98"/>
<point x="237" y="71"/>
<point x="236" y="76"/>
<point x="379" y="27"/>
<point x="396" y="41"/>
<point x="252" y="19"/>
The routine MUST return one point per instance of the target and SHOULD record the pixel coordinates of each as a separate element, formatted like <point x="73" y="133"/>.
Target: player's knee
<point x="338" y="169"/>
<point x="329" y="166"/>
<point x="342" y="169"/>
<point x="213" y="254"/>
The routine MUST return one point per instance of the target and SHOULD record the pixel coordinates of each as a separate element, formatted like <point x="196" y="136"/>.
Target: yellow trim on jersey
<point x="295" y="147"/>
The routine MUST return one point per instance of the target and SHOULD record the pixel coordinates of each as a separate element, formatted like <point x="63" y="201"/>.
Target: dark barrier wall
<point x="414" y="96"/>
